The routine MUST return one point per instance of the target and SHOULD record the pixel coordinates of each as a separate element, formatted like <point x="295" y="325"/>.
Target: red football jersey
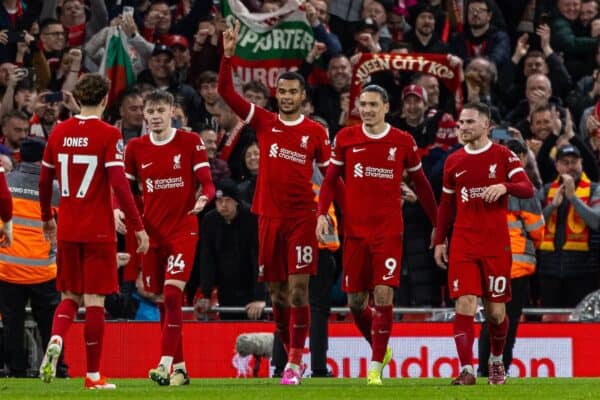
<point x="467" y="173"/>
<point x="373" y="168"/>
<point x="80" y="150"/>
<point x="166" y="172"/>
<point x="288" y="150"/>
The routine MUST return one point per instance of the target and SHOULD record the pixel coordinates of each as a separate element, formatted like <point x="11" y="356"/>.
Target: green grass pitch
<point x="311" y="389"/>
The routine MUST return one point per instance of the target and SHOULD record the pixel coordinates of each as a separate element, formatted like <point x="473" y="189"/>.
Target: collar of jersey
<point x="378" y="135"/>
<point x="479" y="151"/>
<point x="86" y="117"/>
<point x="291" y="123"/>
<point x="163" y="142"/>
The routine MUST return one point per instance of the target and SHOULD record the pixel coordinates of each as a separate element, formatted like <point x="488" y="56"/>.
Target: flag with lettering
<point x="269" y="43"/>
<point x="116" y="63"/>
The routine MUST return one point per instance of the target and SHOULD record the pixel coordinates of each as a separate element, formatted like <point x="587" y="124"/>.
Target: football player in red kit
<point x="477" y="179"/>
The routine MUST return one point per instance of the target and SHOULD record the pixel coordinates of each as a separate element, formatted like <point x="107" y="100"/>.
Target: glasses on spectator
<point x="476" y="10"/>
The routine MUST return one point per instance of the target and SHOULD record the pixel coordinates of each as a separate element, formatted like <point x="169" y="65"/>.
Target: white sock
<point x="180" y="365"/>
<point x="295" y="367"/>
<point x="57" y="339"/>
<point x="468" y="368"/>
<point x="93" y="375"/>
<point x="167" y="361"/>
<point x="375" y="366"/>
<point x="494" y="358"/>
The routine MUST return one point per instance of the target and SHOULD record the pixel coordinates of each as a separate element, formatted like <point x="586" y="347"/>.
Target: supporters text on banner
<point x="437" y="65"/>
<point x="269" y="43"/>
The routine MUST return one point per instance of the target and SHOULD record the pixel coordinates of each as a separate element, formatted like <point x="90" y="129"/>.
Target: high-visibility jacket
<point x="30" y="259"/>
<point x="526" y="229"/>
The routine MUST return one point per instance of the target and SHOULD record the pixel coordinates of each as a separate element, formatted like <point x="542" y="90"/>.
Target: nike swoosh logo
<point x="382" y="332"/>
<point x="146" y="165"/>
<point x="459" y="173"/>
<point x="302" y="266"/>
<point x="354" y="150"/>
<point x="387" y="278"/>
<point x="494" y="295"/>
<point x="276" y="130"/>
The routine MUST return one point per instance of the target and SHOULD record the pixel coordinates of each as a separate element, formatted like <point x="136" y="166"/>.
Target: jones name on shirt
<point x="75" y="142"/>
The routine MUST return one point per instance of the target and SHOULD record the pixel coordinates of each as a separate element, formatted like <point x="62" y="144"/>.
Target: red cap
<point x="177" y="40"/>
<point x="416" y="90"/>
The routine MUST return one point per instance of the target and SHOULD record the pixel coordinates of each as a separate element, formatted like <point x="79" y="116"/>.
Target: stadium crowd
<point x="535" y="63"/>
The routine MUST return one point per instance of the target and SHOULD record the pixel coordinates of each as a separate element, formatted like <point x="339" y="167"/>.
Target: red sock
<point x="498" y="336"/>
<point x="93" y="334"/>
<point x="161" y="311"/>
<point x="363" y="319"/>
<point x="281" y="315"/>
<point x="179" y="352"/>
<point x="463" y="337"/>
<point x="300" y="322"/>
<point x="173" y="320"/>
<point x="380" y="332"/>
<point x="63" y="317"/>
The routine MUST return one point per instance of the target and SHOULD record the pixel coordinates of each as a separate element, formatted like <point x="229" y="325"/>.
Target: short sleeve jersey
<point x="166" y="171"/>
<point x="80" y="150"/>
<point x="287" y="153"/>
<point x="373" y="169"/>
<point x="467" y="173"/>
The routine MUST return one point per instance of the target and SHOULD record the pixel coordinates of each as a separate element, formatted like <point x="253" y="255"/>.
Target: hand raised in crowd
<point x="230" y="37"/>
<point x="556" y="122"/>
<point x="76" y="58"/>
<point x="559" y="196"/>
<point x="543" y="31"/>
<point x="318" y="49"/>
<point x="4" y="37"/>
<point x="6" y="234"/>
<point x="592" y="124"/>
<point x="368" y="42"/>
<point x="440" y="255"/>
<point x="568" y="183"/>
<point x="254" y="309"/>
<point x="494" y="192"/>
<point x="128" y="25"/>
<point x="311" y="14"/>
<point x="143" y="242"/>
<point x="521" y="48"/>
<point x="49" y="231"/>
<point x="70" y="103"/>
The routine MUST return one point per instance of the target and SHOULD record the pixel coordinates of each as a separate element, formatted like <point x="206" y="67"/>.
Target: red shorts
<point x="480" y="275"/>
<point x="286" y="246"/>
<point x="87" y="267"/>
<point x="173" y="260"/>
<point x="371" y="262"/>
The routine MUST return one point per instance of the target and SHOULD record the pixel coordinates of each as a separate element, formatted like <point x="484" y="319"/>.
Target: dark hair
<point x="90" y="89"/>
<point x="534" y="53"/>
<point x="486" y="2"/>
<point x="516" y="146"/>
<point x="385" y="97"/>
<point x="293" y="76"/>
<point x="14" y="114"/>
<point x="541" y="109"/>
<point x="47" y="22"/>
<point x="481" y="108"/>
<point x="258" y="87"/>
<point x="206" y="77"/>
<point x="159" y="96"/>
<point x="128" y="92"/>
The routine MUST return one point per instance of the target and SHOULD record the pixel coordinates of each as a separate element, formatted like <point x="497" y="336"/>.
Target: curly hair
<point x="91" y="89"/>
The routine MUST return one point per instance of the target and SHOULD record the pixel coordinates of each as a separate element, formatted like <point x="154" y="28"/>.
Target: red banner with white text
<point x="420" y="350"/>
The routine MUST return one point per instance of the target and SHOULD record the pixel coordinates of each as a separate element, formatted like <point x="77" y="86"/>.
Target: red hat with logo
<point x="415" y="90"/>
<point x="177" y="40"/>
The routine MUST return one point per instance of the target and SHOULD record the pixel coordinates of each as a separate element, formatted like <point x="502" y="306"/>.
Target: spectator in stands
<point x="316" y="14"/>
<point x="570" y="38"/>
<point x="72" y="16"/>
<point x="158" y="20"/>
<point x="366" y="39"/>
<point x="479" y="37"/>
<point x="526" y="228"/>
<point x="249" y="173"/>
<point x="228" y="256"/>
<point x="412" y="118"/>
<point x="19" y="91"/>
<point x="256" y="92"/>
<point x="15" y="128"/>
<point x="545" y="62"/>
<point x="181" y="53"/>
<point x="568" y="260"/>
<point x="47" y="110"/>
<point x="423" y="38"/>
<point x="233" y="137"/>
<point x="52" y="41"/>
<point x="131" y="110"/>
<point x="206" y="86"/>
<point x="218" y="168"/>
<point x="588" y="12"/>
<point x="161" y="74"/>
<point x="377" y="11"/>
<point x="205" y="52"/>
<point x="28" y="267"/>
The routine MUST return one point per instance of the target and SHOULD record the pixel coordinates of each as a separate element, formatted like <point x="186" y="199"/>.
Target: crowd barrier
<point x="420" y="350"/>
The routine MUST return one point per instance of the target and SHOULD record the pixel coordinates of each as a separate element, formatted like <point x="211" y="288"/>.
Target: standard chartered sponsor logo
<point x="361" y="171"/>
<point x="164" y="184"/>
<point x="472" y="193"/>
<point x="281" y="152"/>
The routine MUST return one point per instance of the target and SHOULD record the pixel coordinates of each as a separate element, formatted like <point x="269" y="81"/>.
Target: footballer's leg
<point x="356" y="282"/>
